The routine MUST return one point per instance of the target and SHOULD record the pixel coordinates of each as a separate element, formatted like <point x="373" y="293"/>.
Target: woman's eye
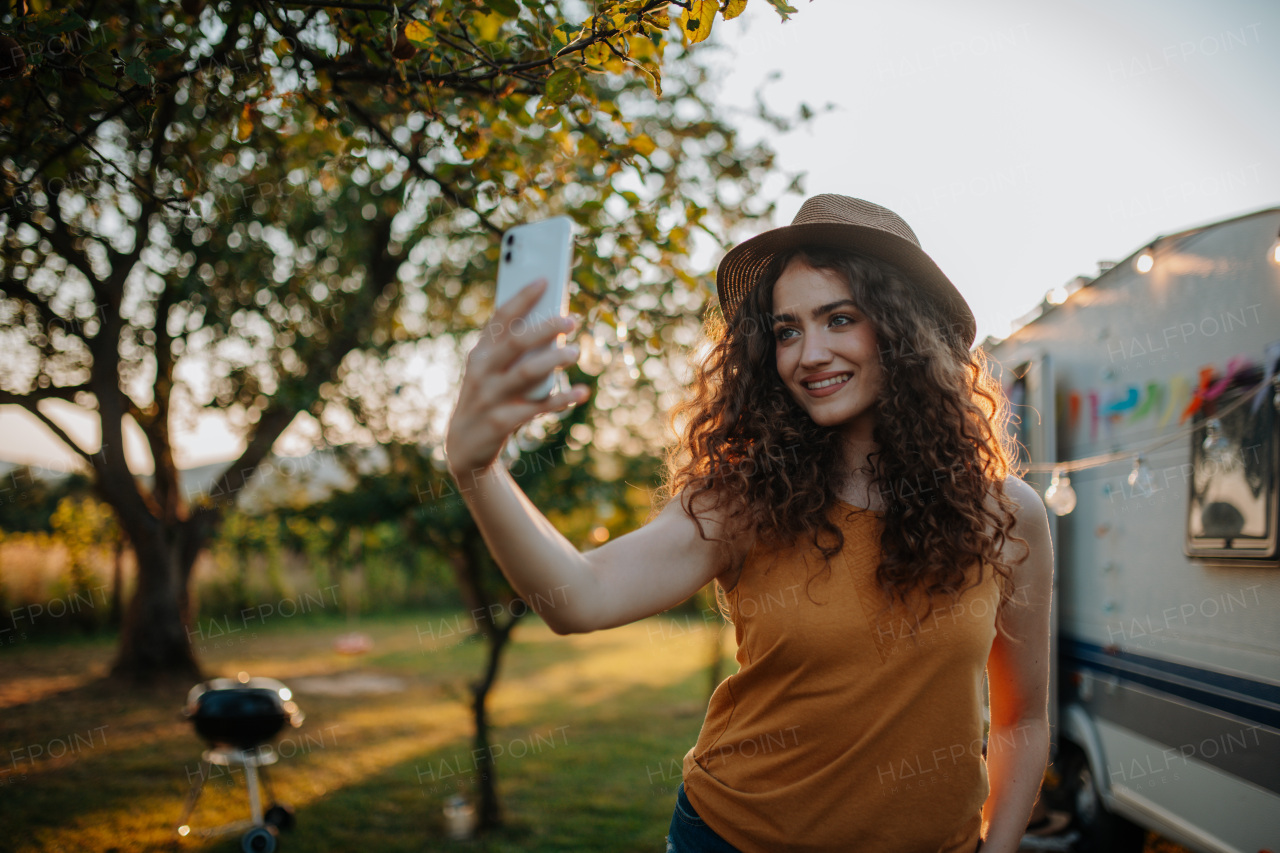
<point x="782" y="334"/>
<point x="845" y="317"/>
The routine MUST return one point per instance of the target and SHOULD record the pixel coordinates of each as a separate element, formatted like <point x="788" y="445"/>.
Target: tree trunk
<point x="468" y="566"/>
<point x="117" y="583"/>
<point x="490" y="811"/>
<point x="154" y="643"/>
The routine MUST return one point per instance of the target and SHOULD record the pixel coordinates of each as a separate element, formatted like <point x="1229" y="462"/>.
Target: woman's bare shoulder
<point x="725" y="519"/>
<point x="1029" y="534"/>
<point x="1024" y="496"/>
<point x="1028" y="508"/>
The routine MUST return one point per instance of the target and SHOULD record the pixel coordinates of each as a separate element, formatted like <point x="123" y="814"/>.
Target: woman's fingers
<point x="475" y="439"/>
<point x="512" y="333"/>
<point x="514" y="308"/>
<point x="534" y="368"/>
<point x="523" y="335"/>
<point x="513" y="356"/>
<point x="520" y="304"/>
<point x="530" y="409"/>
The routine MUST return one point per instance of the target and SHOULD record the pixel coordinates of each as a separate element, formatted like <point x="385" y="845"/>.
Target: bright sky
<point x="1022" y="142"/>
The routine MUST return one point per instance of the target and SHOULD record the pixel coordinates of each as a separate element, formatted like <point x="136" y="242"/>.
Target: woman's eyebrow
<point x="817" y="312"/>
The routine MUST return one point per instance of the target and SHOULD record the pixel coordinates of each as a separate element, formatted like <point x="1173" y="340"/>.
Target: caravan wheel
<point x="1101" y="831"/>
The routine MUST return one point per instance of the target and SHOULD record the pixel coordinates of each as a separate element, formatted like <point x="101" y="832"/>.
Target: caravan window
<point x="1231" y="511"/>
<point x="1021" y="416"/>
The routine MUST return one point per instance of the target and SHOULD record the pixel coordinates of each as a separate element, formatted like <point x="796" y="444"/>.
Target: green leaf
<point x="784" y="9"/>
<point x="563" y="85"/>
<point x="548" y="113"/>
<point x="510" y="8"/>
<point x="562" y="35"/>
<point x="139" y="72"/>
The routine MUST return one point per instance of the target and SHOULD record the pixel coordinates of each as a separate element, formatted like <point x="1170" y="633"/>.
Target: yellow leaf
<point x="698" y="18"/>
<point x="488" y="25"/>
<point x="476" y="147"/>
<point x="418" y="33"/>
<point x="660" y="18"/>
<point x="245" y="126"/>
<point x="653" y="76"/>
<point x="644" y="144"/>
<point x="733" y="8"/>
<point x="597" y="54"/>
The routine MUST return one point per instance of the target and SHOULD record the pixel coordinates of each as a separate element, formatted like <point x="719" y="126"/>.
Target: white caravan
<point x="1154" y="388"/>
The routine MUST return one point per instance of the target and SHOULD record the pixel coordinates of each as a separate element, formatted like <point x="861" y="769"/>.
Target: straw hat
<point x="840" y="222"/>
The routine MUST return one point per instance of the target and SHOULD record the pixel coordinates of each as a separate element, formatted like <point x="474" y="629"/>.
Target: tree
<point x="249" y="208"/>
<point x="586" y="494"/>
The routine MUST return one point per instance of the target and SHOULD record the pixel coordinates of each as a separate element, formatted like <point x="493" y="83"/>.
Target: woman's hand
<point x="492" y="403"/>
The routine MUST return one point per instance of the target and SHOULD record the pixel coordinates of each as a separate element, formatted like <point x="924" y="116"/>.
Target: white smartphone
<point x="537" y="250"/>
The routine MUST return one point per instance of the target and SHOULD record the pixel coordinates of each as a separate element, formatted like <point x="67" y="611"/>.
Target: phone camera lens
<point x="507" y="257"/>
<point x="511" y="239"/>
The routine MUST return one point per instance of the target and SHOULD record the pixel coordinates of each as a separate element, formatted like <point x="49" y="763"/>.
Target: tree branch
<point x="346" y="4"/>
<point x="16" y="290"/>
<point x="31" y="404"/>
<point x="122" y="262"/>
<point x="446" y="188"/>
<point x="62" y="392"/>
<point x="166" y="489"/>
<point x="271" y="424"/>
<point x="64" y="241"/>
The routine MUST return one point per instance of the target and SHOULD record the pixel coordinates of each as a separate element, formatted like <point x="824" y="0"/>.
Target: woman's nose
<point x="814" y="349"/>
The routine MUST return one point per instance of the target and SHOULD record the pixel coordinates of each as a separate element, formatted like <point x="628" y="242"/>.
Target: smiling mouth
<point x="826" y="383"/>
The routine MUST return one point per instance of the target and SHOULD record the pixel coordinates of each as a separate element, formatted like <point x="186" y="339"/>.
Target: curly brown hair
<point x="749" y="446"/>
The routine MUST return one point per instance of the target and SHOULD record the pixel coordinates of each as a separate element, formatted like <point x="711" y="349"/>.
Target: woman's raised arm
<point x="637" y="575"/>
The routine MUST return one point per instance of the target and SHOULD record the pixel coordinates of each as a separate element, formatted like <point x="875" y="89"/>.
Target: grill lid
<point x="241" y="712"/>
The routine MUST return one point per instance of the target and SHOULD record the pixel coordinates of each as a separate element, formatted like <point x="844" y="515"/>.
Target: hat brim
<point x="745" y="264"/>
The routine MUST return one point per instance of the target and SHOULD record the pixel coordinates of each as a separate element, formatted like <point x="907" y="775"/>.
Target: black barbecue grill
<point x="238" y="718"/>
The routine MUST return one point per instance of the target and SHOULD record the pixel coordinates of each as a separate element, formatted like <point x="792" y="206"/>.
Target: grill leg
<point x="194" y="794"/>
<point x="255" y="801"/>
<point x="266" y="785"/>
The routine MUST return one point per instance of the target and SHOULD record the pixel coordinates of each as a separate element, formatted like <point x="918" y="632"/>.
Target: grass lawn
<point x="589" y="732"/>
<point x="588" y="736"/>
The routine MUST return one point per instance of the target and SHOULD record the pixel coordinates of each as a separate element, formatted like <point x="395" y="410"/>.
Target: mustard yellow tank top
<point x="846" y="727"/>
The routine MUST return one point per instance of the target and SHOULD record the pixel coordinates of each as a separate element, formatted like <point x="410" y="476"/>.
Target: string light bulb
<point x="1275" y="250"/>
<point x="1140" y="478"/>
<point x="1146" y="260"/>
<point x="1060" y="497"/>
<point x="1217" y="447"/>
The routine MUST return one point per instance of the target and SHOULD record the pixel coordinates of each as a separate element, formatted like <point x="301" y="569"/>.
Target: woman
<point x="844" y="478"/>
